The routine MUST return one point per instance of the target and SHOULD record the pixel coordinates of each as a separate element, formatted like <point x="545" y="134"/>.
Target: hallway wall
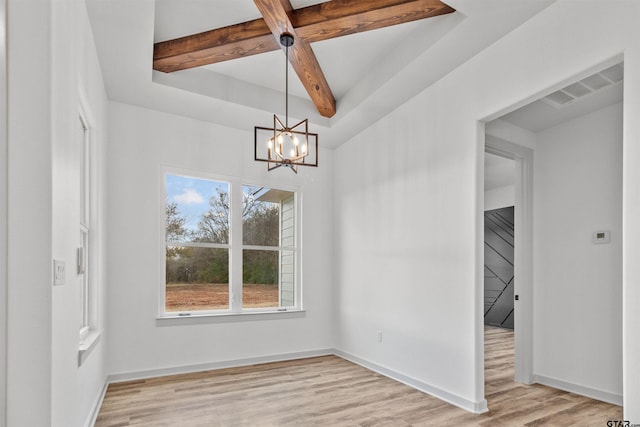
<point x="578" y="284"/>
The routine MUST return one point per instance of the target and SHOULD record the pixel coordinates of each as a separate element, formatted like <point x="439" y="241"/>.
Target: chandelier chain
<point x="286" y="87"/>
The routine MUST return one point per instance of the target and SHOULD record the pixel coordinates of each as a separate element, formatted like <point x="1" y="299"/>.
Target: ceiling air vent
<point x="609" y="77"/>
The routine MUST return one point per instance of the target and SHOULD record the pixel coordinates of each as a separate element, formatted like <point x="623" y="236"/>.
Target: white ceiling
<point x="363" y="50"/>
<point x="542" y="114"/>
<point x="370" y="73"/>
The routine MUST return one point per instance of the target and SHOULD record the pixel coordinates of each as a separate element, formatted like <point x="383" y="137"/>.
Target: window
<point x="83" y="270"/>
<point x="87" y="253"/>
<point x="268" y="250"/>
<point x="196" y="244"/>
<point x="229" y="247"/>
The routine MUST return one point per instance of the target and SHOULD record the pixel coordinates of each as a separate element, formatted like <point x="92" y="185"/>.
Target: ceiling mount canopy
<point x="286" y="39"/>
<point x="310" y="24"/>
<point x="284" y="145"/>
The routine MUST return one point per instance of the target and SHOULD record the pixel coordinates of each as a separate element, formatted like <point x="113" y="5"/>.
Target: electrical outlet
<point x="379" y="336"/>
<point x="601" y="237"/>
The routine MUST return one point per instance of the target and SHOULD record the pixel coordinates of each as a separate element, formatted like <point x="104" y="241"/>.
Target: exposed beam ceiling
<point x="319" y="22"/>
<point x="276" y="14"/>
<point x="373" y="72"/>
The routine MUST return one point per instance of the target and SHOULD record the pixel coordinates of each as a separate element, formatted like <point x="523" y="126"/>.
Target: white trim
<point x="187" y="369"/>
<point x="3" y="212"/>
<point x="197" y="244"/>
<point x="235" y="250"/>
<point x="90" y="230"/>
<point x="478" y="288"/>
<point x="452" y="398"/>
<point x="95" y="408"/>
<point x="523" y="253"/>
<point x="198" y="318"/>
<point x="593" y="393"/>
<point x="474" y="407"/>
<point x="268" y="248"/>
<point x="87" y="344"/>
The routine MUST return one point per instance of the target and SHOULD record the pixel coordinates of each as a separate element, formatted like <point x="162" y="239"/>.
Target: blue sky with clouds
<point x="192" y="196"/>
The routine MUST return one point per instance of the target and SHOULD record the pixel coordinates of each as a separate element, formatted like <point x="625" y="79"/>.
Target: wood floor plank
<point x="330" y="391"/>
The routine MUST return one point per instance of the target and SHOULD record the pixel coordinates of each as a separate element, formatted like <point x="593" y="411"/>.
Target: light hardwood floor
<point x="330" y="391"/>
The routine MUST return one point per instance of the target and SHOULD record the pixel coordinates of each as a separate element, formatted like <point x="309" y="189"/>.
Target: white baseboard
<point x="163" y="372"/>
<point x="91" y="420"/>
<point x="468" y="405"/>
<point x="605" y="396"/>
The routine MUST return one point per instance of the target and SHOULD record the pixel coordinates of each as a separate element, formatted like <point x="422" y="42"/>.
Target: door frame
<point x="3" y="211"/>
<point x="498" y="141"/>
<point x="523" y="251"/>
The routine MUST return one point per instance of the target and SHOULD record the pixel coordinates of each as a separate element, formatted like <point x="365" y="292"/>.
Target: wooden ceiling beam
<point x="221" y="44"/>
<point x="277" y="15"/>
<point x="315" y="23"/>
<point x="337" y="18"/>
<point x="319" y="22"/>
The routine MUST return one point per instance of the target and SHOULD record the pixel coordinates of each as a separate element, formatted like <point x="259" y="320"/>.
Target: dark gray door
<point x="498" y="267"/>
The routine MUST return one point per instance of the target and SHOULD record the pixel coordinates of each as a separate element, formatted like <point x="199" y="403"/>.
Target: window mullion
<point x="197" y="244"/>
<point x="235" y="257"/>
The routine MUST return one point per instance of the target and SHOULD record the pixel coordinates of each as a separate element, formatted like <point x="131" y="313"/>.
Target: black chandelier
<point x="284" y="145"/>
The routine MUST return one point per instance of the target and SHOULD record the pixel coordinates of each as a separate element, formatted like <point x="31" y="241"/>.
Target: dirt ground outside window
<point x="213" y="296"/>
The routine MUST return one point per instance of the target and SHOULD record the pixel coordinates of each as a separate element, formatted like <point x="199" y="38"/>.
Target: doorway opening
<point x="499" y="240"/>
<point x="574" y="133"/>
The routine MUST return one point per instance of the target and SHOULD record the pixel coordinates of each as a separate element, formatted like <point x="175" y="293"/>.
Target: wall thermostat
<point x="601" y="237"/>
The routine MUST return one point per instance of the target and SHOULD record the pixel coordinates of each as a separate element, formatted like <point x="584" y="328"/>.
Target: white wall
<point x="631" y="229"/>
<point x="29" y="215"/>
<point x="141" y="141"/>
<point x="45" y="385"/>
<point x="578" y="284"/>
<point x="500" y="197"/>
<point x="499" y="179"/>
<point x="408" y="220"/>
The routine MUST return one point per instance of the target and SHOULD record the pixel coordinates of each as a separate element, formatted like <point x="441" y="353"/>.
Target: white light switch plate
<point x="59" y="272"/>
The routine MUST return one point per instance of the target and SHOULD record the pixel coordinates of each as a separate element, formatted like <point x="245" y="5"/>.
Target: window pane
<point x="84" y="172"/>
<point x="197" y="210"/>
<point x="267" y="217"/>
<point x="287" y="279"/>
<point x="260" y="274"/>
<point x="196" y="278"/>
<point x="83" y="291"/>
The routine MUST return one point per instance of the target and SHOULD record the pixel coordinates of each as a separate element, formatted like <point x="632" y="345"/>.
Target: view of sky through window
<point x="192" y="196"/>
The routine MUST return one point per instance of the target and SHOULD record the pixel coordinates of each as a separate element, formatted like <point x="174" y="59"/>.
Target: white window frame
<point x="83" y="269"/>
<point x="87" y="254"/>
<point x="235" y="247"/>
<point x="3" y="208"/>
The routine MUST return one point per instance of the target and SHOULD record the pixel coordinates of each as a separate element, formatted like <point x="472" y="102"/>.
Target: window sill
<point x="194" y="318"/>
<point x="87" y="344"/>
